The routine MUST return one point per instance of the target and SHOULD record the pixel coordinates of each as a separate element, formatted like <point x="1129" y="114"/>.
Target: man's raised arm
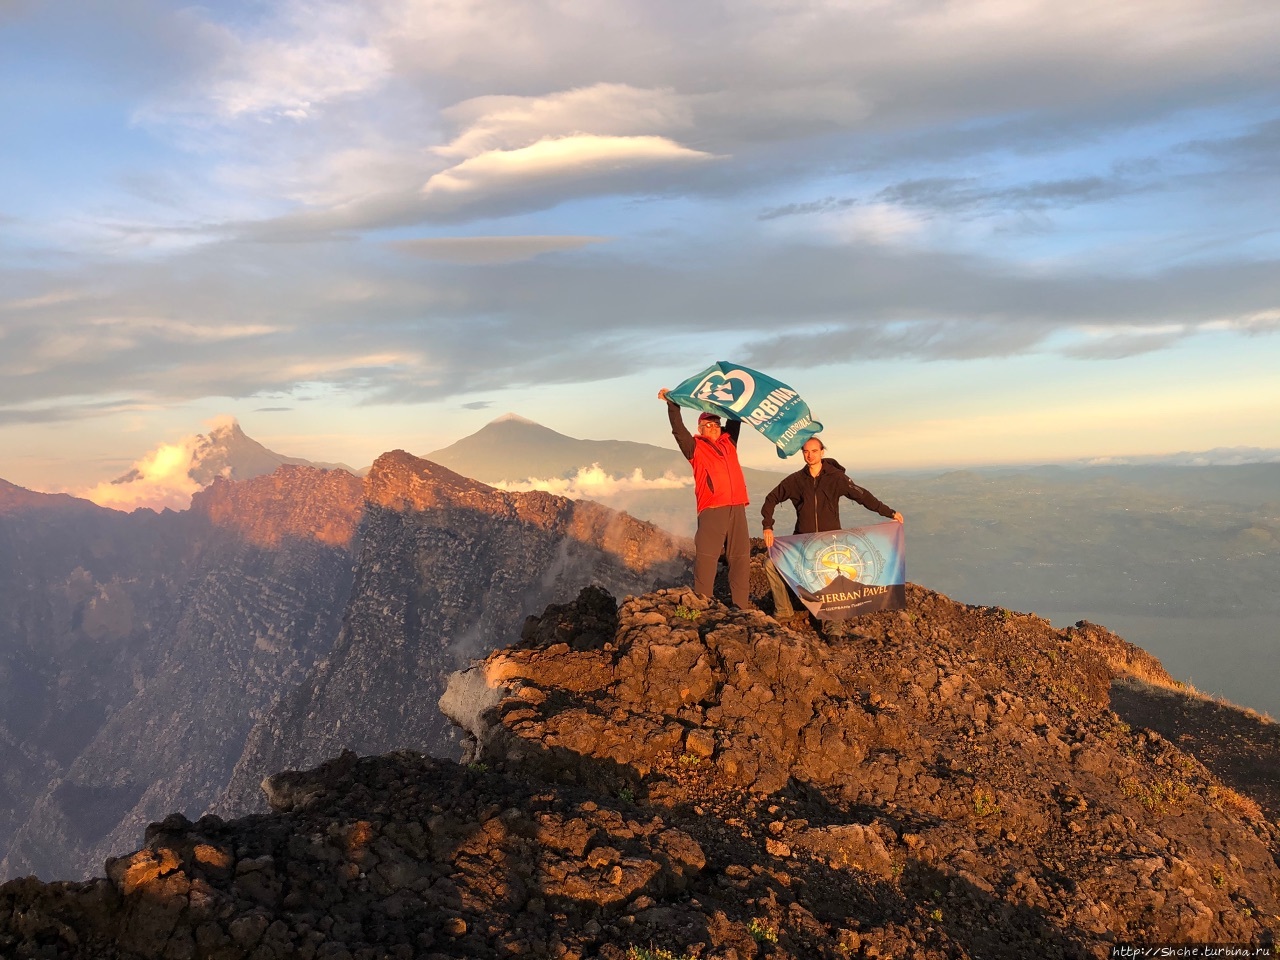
<point x="684" y="439"/>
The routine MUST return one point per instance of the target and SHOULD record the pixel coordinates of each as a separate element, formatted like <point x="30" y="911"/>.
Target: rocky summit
<point x="675" y="779"/>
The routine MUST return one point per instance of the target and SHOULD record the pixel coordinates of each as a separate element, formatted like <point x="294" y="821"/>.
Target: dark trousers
<point x="723" y="530"/>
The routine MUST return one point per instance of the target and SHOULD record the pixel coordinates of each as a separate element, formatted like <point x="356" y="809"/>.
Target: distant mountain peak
<point x="170" y="474"/>
<point x="514" y="418"/>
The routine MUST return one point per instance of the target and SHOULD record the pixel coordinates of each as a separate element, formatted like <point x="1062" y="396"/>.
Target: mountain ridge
<point x="672" y="775"/>
<point x="155" y="645"/>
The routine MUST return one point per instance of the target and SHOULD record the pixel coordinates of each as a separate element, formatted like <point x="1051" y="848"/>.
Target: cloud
<point x="779" y="177"/>
<point x="592" y="483"/>
<point x="490" y="249"/>
<point x="307" y="56"/>
<point x="502" y="181"/>
<point x="70" y="409"/>
<point x="492" y="123"/>
<point x="1119" y="344"/>
<point x="413" y="330"/>
<point x="477" y="405"/>
<point x="825" y="205"/>
<point x="162" y="479"/>
<point x="1253" y="151"/>
<point x="959" y="194"/>
<point x="381" y="98"/>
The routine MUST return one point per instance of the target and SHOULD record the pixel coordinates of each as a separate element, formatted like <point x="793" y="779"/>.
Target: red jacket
<point x="717" y="475"/>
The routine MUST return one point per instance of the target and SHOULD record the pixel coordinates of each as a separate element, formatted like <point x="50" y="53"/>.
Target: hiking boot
<point x="834" y="629"/>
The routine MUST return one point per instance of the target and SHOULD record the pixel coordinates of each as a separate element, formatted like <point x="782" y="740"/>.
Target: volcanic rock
<point x="673" y="775"/>
<point x="151" y="663"/>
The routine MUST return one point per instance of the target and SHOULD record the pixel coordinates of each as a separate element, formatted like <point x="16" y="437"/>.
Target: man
<point x="815" y="491"/>
<point x="722" y="499"/>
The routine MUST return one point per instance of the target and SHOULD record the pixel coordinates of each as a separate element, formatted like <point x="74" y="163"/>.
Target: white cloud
<point x="321" y="52"/>
<point x="592" y="483"/>
<point x="160" y="479"/>
<point x="575" y="163"/>
<point x="339" y="127"/>
<point x="604" y="109"/>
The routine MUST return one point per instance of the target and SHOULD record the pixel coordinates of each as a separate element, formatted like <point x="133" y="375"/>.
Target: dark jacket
<point x="717" y="475"/>
<point x="817" y="499"/>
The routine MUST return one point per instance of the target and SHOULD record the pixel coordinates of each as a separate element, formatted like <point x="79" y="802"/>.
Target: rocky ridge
<point x="447" y="566"/>
<point x="151" y="663"/>
<point x="174" y="633"/>
<point x="677" y="776"/>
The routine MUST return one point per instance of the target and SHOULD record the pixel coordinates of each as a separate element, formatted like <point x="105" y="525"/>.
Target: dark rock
<point x="851" y="805"/>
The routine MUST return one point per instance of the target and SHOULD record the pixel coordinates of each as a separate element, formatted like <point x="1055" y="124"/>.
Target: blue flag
<point x="844" y="573"/>
<point x="740" y="393"/>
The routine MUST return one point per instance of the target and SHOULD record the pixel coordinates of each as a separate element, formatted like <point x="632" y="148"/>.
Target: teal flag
<point x="740" y="393"/>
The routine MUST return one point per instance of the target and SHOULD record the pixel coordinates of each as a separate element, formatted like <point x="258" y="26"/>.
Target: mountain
<point x="1218" y="456"/>
<point x="169" y="475"/>
<point x="448" y="569"/>
<point x="226" y="452"/>
<point x="519" y="454"/>
<point x="152" y="644"/>
<point x="146" y="658"/>
<point x="1178" y="558"/>
<point x="513" y="448"/>
<point x="670" y="778"/>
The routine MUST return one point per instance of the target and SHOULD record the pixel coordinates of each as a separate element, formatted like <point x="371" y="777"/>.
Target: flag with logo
<point x="740" y="393"/>
<point x="840" y="574"/>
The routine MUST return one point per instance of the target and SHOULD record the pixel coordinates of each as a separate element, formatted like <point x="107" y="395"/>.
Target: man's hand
<point x="662" y="394"/>
<point x="768" y="539"/>
<point x="897" y="516"/>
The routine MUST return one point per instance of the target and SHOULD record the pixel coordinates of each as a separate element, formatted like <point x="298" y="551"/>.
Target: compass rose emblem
<point x="841" y="553"/>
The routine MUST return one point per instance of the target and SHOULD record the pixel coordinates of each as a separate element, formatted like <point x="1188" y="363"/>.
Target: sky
<point x="989" y="231"/>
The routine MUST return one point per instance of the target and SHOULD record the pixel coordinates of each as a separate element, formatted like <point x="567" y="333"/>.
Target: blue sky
<point x="978" y="232"/>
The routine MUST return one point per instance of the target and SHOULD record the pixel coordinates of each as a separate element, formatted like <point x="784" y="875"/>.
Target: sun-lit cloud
<point x="508" y="177"/>
<point x="604" y="110"/>
<point x="161" y="479"/>
<point x="593" y="483"/>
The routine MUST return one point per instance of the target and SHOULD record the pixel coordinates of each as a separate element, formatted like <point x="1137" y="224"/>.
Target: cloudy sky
<point x="974" y="231"/>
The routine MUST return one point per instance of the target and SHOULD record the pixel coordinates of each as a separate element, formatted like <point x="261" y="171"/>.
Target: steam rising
<point x="167" y="476"/>
<point x="160" y="479"/>
<point x="592" y="483"/>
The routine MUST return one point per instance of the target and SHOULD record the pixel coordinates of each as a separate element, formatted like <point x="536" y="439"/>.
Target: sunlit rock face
<point x="448" y="570"/>
<point x="159" y="662"/>
<point x="149" y="646"/>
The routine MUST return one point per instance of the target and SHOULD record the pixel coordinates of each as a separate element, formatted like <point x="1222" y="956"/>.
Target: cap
<point x="709" y="418"/>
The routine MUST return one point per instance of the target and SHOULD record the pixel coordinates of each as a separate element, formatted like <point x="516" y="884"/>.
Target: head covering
<point x="709" y="418"/>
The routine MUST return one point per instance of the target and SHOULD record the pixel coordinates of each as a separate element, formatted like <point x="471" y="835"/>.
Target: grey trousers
<point x="723" y="530"/>
<point x="781" y="596"/>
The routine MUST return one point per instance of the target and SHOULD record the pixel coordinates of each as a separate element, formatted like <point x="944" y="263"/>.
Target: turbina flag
<point x="740" y="393"/>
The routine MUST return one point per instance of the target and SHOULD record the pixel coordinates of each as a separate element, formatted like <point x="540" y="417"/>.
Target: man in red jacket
<point x="815" y="491"/>
<point x="722" y="499"/>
